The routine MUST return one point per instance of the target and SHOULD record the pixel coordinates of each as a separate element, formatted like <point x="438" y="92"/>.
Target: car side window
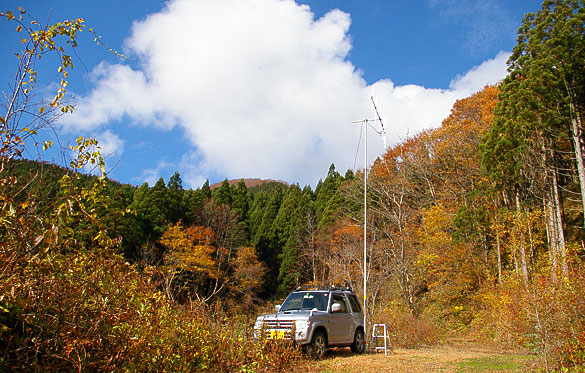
<point x="339" y="298"/>
<point x="355" y="305"/>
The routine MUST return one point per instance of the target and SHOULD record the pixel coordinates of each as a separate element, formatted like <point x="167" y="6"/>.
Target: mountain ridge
<point x="250" y="182"/>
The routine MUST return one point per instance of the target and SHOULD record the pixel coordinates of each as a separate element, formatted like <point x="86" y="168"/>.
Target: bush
<point x="545" y="316"/>
<point x="91" y="311"/>
<point x="408" y="331"/>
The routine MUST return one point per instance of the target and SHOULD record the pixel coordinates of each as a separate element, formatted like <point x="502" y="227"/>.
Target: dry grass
<point x="450" y="358"/>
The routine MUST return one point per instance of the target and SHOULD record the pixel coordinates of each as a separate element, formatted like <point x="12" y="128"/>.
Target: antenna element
<point x="382" y="131"/>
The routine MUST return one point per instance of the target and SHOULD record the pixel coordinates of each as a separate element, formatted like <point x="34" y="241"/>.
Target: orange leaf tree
<point x="188" y="261"/>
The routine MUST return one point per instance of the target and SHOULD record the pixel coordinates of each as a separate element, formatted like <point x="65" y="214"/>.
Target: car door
<point x="341" y="325"/>
<point x="356" y="310"/>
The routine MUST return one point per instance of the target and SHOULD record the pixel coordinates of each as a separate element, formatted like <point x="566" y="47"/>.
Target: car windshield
<point x="306" y="300"/>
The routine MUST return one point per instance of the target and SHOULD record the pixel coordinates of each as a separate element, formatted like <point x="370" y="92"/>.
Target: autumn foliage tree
<point x="247" y="276"/>
<point x="188" y="261"/>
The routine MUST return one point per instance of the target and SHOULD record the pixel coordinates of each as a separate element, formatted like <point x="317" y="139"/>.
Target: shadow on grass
<point x="345" y="352"/>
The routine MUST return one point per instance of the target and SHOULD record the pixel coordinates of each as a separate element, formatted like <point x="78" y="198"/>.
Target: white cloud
<point x="191" y="170"/>
<point x="489" y="72"/>
<point x="119" y="92"/>
<point x="261" y="88"/>
<point x="110" y="143"/>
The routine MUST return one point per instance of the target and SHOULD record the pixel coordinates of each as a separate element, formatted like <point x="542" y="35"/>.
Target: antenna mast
<point x="365" y="225"/>
<point x="382" y="133"/>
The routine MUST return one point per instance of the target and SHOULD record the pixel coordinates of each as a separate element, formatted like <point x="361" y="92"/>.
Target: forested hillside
<point x="475" y="228"/>
<point x="262" y="229"/>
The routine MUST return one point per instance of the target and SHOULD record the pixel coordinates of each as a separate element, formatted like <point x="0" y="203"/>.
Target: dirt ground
<point x="455" y="357"/>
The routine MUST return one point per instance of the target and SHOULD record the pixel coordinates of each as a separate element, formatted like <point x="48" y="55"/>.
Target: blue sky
<point x="267" y="88"/>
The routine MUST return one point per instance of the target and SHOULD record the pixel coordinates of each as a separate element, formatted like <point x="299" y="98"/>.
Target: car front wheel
<point x="358" y="346"/>
<point x="318" y="345"/>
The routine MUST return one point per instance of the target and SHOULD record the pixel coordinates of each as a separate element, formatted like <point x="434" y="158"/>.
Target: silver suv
<point x="316" y="319"/>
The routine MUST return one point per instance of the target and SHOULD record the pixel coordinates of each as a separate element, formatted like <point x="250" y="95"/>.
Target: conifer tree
<point x="257" y="205"/>
<point x="223" y="194"/>
<point x="175" y="196"/>
<point x="206" y="190"/>
<point x="540" y="116"/>
<point x="192" y="203"/>
<point x="288" y="223"/>
<point x="240" y="200"/>
<point x="152" y="206"/>
<point x="265" y="241"/>
<point x="325" y="192"/>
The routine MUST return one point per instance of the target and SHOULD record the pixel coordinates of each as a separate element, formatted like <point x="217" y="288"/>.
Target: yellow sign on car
<point x="278" y="334"/>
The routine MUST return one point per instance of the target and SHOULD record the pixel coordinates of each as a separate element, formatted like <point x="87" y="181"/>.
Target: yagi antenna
<point x="382" y="131"/>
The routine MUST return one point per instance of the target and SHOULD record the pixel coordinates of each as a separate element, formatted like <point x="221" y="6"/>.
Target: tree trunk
<point x="552" y="201"/>
<point x="516" y="265"/>
<point x="499" y="249"/>
<point x="521" y="246"/>
<point x="524" y="263"/>
<point x="560" y="234"/>
<point x="551" y="239"/>
<point x="578" y="144"/>
<point x="531" y="240"/>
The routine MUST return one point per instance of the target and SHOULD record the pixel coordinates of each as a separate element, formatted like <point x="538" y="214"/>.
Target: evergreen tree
<point x="175" y="198"/>
<point x="325" y="192"/>
<point x="289" y="215"/>
<point x="122" y="225"/>
<point x="192" y="203"/>
<point x="547" y="66"/>
<point x="308" y="193"/>
<point x="223" y="194"/>
<point x="240" y="205"/>
<point x="349" y="175"/>
<point x="287" y="225"/>
<point x="289" y="274"/>
<point x="240" y="200"/>
<point x="332" y="209"/>
<point x="259" y="202"/>
<point x="266" y="242"/>
<point x="152" y="206"/>
<point x="539" y="118"/>
<point x="206" y="190"/>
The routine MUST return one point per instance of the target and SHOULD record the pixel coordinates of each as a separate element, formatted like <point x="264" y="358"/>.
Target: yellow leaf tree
<point x="188" y="261"/>
<point x="247" y="275"/>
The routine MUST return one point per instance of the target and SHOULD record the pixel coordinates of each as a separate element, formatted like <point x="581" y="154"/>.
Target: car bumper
<point x="301" y="337"/>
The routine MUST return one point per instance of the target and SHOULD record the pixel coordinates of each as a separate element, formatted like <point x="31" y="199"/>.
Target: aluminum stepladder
<point x="376" y="329"/>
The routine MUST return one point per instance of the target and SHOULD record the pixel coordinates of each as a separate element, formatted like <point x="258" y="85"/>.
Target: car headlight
<point x="302" y="324"/>
<point x="259" y="322"/>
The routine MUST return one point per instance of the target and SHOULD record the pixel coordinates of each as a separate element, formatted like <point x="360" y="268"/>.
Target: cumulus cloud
<point x="261" y="89"/>
<point x="491" y="71"/>
<point x="111" y="145"/>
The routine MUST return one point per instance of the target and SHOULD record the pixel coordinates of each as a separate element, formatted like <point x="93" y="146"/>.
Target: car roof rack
<point x="324" y="288"/>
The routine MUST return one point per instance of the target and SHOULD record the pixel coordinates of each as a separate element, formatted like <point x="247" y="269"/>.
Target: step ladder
<point x="376" y="330"/>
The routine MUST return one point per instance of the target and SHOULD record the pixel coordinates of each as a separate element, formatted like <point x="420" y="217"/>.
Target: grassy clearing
<point x="459" y="358"/>
<point x="496" y="363"/>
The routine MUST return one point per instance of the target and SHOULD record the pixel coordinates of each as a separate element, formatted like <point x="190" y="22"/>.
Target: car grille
<point x="279" y="324"/>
